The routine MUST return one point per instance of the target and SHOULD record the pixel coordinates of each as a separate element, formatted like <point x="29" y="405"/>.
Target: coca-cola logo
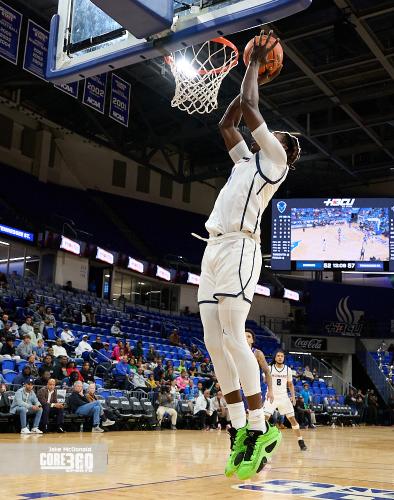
<point x="311" y="344"/>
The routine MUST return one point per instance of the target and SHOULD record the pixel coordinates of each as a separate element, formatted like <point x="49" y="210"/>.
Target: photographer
<point x="166" y="405"/>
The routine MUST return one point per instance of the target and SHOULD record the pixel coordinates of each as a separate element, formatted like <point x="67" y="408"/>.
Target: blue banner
<point x="36" y="50"/>
<point x="69" y="88"/>
<point x="16" y="233"/>
<point x="10" y="31"/>
<point x="120" y="100"/>
<point x="95" y="91"/>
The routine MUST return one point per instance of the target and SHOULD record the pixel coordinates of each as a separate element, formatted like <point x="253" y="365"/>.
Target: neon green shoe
<point x="259" y="447"/>
<point x="238" y="448"/>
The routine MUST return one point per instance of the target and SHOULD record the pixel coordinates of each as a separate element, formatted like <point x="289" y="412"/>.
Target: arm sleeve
<point x="272" y="149"/>
<point x="239" y="151"/>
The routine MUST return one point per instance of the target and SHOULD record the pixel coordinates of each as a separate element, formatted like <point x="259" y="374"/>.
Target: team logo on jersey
<point x="306" y="489"/>
<point x="281" y="205"/>
<point x="339" y="202"/>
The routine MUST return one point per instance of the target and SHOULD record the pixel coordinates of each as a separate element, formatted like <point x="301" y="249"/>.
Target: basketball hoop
<point x="199" y="72"/>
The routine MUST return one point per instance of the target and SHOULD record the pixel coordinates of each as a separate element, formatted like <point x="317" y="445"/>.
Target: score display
<point x="348" y="234"/>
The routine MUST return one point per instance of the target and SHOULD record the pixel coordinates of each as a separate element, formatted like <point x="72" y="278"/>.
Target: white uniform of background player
<point x="282" y="403"/>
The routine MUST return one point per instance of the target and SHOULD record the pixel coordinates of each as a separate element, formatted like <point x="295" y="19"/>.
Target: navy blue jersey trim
<point x="235" y="295"/>
<point x="207" y="302"/>
<point x="263" y="176"/>
<point x="257" y="222"/>
<point x="262" y="187"/>
<point x="247" y="202"/>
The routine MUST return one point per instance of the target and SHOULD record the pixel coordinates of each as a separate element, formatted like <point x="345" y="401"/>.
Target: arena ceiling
<point x="336" y="90"/>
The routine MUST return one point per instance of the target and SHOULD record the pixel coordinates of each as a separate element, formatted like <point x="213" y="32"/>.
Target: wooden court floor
<point x="189" y="464"/>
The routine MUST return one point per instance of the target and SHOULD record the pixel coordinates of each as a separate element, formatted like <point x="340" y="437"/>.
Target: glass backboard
<point x="84" y="41"/>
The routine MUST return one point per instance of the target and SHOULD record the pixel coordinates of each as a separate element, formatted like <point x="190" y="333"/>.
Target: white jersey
<point x="280" y="377"/>
<point x="253" y="182"/>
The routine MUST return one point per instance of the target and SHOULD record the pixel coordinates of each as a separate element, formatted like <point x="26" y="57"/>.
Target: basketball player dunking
<point x="231" y="264"/>
<point x="282" y="380"/>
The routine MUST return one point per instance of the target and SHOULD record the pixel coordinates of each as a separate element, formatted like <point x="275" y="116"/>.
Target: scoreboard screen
<point x="348" y="234"/>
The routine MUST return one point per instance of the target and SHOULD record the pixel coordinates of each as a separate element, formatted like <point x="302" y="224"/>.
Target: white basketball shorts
<point x="230" y="268"/>
<point x="282" y="404"/>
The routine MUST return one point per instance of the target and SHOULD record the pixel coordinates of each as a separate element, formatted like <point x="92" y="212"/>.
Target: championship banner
<point x="120" y="100"/>
<point x="69" y="88"/>
<point x="36" y="50"/>
<point x="10" y="31"/>
<point x="95" y="91"/>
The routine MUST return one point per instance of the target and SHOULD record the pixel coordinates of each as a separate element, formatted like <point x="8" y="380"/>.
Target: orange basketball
<point x="275" y="57"/>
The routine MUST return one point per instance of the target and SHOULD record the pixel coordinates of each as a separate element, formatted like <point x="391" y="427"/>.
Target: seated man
<point x="122" y="373"/>
<point x="58" y="349"/>
<point x="80" y="405"/>
<point x="138" y="380"/>
<point x="25" y="403"/>
<point x="8" y="350"/>
<point x="166" y="405"/>
<point x="25" y="348"/>
<point x="84" y="348"/>
<point x="308" y="374"/>
<point x="31" y="362"/>
<point x="21" y="378"/>
<point x="39" y="350"/>
<point x="67" y="336"/>
<point x="47" y="396"/>
<point x="303" y="415"/>
<point x="116" y="330"/>
<point x="203" y="410"/>
<point x="27" y="327"/>
<point x="218" y="404"/>
<point x="174" y="338"/>
<point x="98" y="344"/>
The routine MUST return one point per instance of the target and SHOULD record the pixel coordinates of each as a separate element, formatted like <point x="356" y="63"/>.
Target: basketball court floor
<point x="341" y="464"/>
<point x="309" y="244"/>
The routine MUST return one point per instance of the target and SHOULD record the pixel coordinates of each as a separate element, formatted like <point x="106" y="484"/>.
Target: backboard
<point x="84" y="41"/>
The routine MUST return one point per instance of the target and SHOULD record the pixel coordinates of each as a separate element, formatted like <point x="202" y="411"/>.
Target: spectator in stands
<point x="116" y="353"/>
<point x="39" y="349"/>
<point x="139" y="350"/>
<point x="138" y="380"/>
<point x="151" y="383"/>
<point x="24" y="349"/>
<point x="219" y="405"/>
<point x="27" y="327"/>
<point x="122" y="373"/>
<point x="39" y="315"/>
<point x="191" y="392"/>
<point x="25" y="403"/>
<point x="174" y="338"/>
<point x="4" y="402"/>
<point x="72" y="368"/>
<point x="152" y="364"/>
<point x="21" y="378"/>
<point x="308" y="374"/>
<point x="36" y="335"/>
<point x="47" y="397"/>
<point x="68" y="287"/>
<point x="3" y="281"/>
<point x="152" y="354"/>
<point x="300" y="373"/>
<point x="158" y="372"/>
<point x="166" y="405"/>
<point x="203" y="410"/>
<point x="86" y="372"/>
<point x="84" y="348"/>
<point x="174" y="390"/>
<point x="104" y="355"/>
<point x="306" y="395"/>
<point x="192" y="369"/>
<point x="60" y="368"/>
<point x="50" y="319"/>
<point x="351" y="400"/>
<point x="182" y="381"/>
<point x="42" y="380"/>
<point x="116" y="330"/>
<point x="106" y="413"/>
<point x="80" y="405"/>
<point x="215" y="388"/>
<point x="90" y="314"/>
<point x="196" y="353"/>
<point x="98" y="343"/>
<point x="58" y="349"/>
<point x="169" y="375"/>
<point x="4" y="320"/>
<point x="8" y="350"/>
<point x="48" y="364"/>
<point x="30" y="298"/>
<point x="128" y="350"/>
<point x="302" y="415"/>
<point x="67" y="336"/>
<point x="67" y="314"/>
<point x="33" y="367"/>
<point x="182" y="365"/>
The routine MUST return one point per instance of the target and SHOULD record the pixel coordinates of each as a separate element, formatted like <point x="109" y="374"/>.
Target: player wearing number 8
<point x="282" y="380"/>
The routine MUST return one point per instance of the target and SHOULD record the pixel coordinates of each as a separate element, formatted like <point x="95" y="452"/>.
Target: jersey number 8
<point x="278" y="381"/>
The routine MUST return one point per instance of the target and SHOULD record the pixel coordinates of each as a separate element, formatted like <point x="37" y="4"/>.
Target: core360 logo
<point x="339" y="202"/>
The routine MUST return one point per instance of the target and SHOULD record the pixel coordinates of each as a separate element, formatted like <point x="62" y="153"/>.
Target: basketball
<point x="275" y="56"/>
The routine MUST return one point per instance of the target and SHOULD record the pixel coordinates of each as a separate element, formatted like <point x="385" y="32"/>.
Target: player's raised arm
<point x="228" y="126"/>
<point x="267" y="374"/>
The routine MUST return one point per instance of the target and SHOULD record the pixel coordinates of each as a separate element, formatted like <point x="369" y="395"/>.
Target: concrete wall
<point x="72" y="268"/>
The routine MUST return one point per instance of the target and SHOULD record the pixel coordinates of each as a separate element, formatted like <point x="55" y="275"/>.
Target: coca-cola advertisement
<point x="309" y="343"/>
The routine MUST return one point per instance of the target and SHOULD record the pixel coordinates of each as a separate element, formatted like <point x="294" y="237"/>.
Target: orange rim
<point x="170" y="60"/>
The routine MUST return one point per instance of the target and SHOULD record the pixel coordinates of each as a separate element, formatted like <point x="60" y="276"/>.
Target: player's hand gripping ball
<point x="267" y="51"/>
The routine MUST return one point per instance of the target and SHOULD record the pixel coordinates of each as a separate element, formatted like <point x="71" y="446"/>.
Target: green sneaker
<point x="259" y="447"/>
<point x="238" y="448"/>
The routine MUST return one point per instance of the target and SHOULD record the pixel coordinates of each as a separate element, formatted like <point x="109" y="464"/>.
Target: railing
<point x="375" y="374"/>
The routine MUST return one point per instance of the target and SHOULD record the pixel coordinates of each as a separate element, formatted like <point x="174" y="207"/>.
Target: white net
<point x="199" y="72"/>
